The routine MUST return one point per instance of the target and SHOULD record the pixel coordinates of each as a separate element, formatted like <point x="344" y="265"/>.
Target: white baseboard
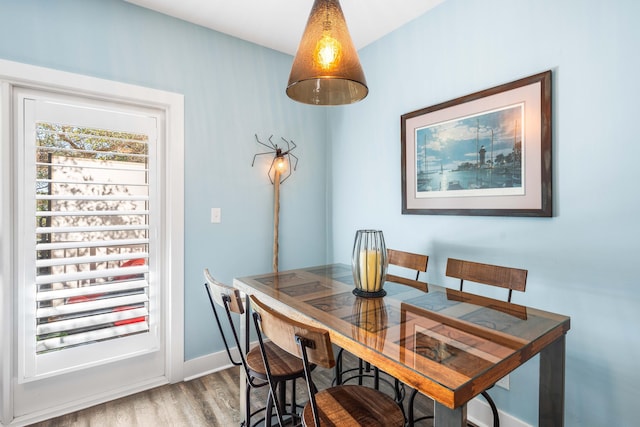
<point x="479" y="413"/>
<point x="207" y="364"/>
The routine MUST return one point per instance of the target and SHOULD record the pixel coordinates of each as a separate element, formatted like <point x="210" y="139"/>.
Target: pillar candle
<point x="370" y="270"/>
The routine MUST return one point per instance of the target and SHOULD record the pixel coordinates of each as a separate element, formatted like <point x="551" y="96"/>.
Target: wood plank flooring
<point x="211" y="400"/>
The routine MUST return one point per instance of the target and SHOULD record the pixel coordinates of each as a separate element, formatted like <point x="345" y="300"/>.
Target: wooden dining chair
<point x="344" y="405"/>
<point x="290" y="368"/>
<point x="410" y="261"/>
<point x="513" y="279"/>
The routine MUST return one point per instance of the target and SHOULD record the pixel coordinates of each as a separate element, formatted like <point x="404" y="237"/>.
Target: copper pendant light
<point x="326" y="69"/>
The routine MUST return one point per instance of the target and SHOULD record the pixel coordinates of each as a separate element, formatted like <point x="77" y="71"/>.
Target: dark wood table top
<point x="448" y="344"/>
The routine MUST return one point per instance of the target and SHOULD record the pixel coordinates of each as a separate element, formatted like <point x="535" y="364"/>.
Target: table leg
<point x="551" y="398"/>
<point x="445" y="417"/>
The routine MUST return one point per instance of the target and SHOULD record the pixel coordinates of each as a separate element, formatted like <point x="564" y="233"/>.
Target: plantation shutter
<point x="92" y="245"/>
<point x="93" y="240"/>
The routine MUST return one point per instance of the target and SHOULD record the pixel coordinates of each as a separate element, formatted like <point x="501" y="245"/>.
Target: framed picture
<point x="488" y="153"/>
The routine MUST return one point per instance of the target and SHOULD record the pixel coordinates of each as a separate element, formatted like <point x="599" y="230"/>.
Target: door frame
<point x="13" y="74"/>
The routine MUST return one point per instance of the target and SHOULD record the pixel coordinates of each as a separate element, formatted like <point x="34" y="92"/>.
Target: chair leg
<point x="247" y="405"/>
<point x="494" y="409"/>
<point x="376" y="378"/>
<point x="294" y="405"/>
<point x="399" y="396"/>
<point x="268" y="412"/>
<point x="282" y="397"/>
<point x="411" y="421"/>
<point x="398" y="389"/>
<point x="338" y="368"/>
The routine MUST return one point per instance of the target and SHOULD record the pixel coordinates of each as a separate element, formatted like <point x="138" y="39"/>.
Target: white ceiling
<point x="278" y="24"/>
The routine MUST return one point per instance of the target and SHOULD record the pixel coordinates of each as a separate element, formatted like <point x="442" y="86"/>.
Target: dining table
<point x="447" y="344"/>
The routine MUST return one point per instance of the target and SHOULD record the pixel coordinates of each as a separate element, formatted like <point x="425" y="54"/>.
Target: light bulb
<point x="281" y="164"/>
<point x="328" y="52"/>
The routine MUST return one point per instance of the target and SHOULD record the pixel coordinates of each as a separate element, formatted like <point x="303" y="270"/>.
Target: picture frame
<point x="486" y="154"/>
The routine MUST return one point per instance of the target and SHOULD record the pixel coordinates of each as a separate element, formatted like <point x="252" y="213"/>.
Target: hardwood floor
<point x="211" y="400"/>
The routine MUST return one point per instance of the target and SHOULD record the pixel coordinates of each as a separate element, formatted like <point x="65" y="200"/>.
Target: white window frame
<point x="12" y="75"/>
<point x="30" y="365"/>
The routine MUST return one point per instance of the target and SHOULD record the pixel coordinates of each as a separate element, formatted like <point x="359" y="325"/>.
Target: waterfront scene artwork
<point x="480" y="154"/>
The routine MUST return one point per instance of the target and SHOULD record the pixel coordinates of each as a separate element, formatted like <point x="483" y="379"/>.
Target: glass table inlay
<point x="448" y="344"/>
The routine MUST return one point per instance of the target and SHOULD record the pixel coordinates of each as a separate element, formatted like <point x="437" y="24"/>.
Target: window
<point x="91" y="212"/>
<point x="34" y="102"/>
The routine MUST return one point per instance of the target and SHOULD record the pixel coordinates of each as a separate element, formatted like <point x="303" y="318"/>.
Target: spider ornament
<point x="281" y="157"/>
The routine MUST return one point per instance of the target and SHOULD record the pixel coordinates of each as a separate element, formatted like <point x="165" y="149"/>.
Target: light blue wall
<point x="581" y="262"/>
<point x="232" y="90"/>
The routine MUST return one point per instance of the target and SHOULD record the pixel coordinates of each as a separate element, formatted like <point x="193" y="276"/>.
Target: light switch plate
<point x="215" y="215"/>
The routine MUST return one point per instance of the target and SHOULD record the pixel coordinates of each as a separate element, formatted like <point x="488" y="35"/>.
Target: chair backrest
<point x="311" y="344"/>
<point x="494" y="275"/>
<point x="289" y="334"/>
<point x="230" y="299"/>
<point x="219" y="293"/>
<point x="411" y="261"/>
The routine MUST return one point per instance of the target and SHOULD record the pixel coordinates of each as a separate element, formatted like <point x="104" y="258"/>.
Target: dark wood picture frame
<point x="446" y="169"/>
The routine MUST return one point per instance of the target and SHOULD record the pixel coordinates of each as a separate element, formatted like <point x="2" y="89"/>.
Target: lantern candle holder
<point x="369" y="263"/>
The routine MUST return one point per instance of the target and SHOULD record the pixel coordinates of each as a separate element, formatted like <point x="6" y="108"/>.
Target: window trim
<point x="32" y="365"/>
<point x="14" y="74"/>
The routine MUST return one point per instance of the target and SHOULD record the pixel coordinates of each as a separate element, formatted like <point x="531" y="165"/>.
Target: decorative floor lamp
<point x="279" y="171"/>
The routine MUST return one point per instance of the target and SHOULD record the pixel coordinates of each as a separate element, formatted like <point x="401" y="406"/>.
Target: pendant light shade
<point x="326" y="69"/>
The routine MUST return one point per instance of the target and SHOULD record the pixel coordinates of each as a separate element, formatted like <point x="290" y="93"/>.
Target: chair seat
<point x="283" y="365"/>
<point x="351" y="405"/>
